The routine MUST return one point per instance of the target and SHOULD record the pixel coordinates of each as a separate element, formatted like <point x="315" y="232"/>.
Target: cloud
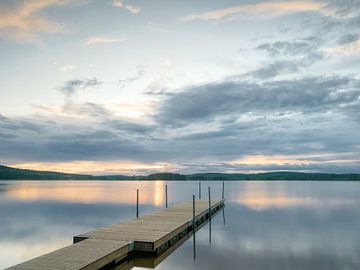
<point x="348" y="38"/>
<point x="21" y="22"/>
<point x="303" y="52"/>
<point x="68" y="68"/>
<point x="210" y="100"/>
<point x="349" y="48"/>
<point x="274" y="69"/>
<point x="347" y="9"/>
<point x="117" y="3"/>
<point x="103" y="40"/>
<point x="167" y="63"/>
<point x="120" y="4"/>
<point x="312" y="140"/>
<point x="72" y="86"/>
<point x="139" y="74"/>
<point x="133" y="9"/>
<point x="260" y="10"/>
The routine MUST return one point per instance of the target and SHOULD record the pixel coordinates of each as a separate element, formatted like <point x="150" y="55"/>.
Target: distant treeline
<point x="8" y="173"/>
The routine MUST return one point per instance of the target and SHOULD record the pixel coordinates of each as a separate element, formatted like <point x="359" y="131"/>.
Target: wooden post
<point x="137" y="203"/>
<point x="194" y="213"/>
<point x="223" y="190"/>
<point x="209" y="217"/>
<point x="194" y="241"/>
<point x="166" y="197"/>
<point x="199" y="189"/>
<point x="209" y="203"/>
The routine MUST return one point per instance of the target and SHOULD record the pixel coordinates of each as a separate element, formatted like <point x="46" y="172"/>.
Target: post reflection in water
<point x="270" y="225"/>
<point x="194" y="245"/>
<point x="223" y="212"/>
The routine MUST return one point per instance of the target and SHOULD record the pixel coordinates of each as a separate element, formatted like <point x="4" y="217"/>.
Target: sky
<point x="142" y="86"/>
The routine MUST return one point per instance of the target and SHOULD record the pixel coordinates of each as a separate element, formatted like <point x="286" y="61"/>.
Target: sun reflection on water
<point x="88" y="192"/>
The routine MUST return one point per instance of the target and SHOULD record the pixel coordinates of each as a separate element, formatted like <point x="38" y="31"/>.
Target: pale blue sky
<point x="187" y="86"/>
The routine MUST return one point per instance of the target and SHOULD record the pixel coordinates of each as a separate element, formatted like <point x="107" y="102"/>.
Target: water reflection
<point x="268" y="225"/>
<point x="88" y="192"/>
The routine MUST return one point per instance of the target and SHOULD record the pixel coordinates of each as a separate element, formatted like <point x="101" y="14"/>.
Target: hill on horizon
<point x="9" y="173"/>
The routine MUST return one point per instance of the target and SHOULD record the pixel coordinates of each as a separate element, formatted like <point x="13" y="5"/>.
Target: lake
<point x="265" y="225"/>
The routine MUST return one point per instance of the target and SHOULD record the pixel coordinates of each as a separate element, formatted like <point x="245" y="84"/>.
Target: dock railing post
<point x="199" y="189"/>
<point x="209" y="203"/>
<point x="166" y="197"/>
<point x="223" y="190"/>
<point x="137" y="203"/>
<point x="194" y="213"/>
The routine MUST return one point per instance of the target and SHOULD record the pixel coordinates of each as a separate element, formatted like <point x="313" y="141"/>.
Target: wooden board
<point x="90" y="254"/>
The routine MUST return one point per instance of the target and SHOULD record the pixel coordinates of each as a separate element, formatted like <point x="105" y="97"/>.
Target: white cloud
<point x="133" y="9"/>
<point x="261" y="10"/>
<point x="68" y="67"/>
<point x="167" y="63"/>
<point x="103" y="40"/>
<point x="117" y="3"/>
<point x="120" y="4"/>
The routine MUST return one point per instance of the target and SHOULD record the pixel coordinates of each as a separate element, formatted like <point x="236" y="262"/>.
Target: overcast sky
<point x="139" y="86"/>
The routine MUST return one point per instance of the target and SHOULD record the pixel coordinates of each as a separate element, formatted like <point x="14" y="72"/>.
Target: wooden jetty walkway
<point x="108" y="246"/>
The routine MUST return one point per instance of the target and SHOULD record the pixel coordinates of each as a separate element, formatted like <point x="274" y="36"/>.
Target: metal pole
<point x="166" y="197"/>
<point x="199" y="189"/>
<point x="194" y="213"/>
<point x="137" y="203"/>
<point x="209" y="203"/>
<point x="223" y="190"/>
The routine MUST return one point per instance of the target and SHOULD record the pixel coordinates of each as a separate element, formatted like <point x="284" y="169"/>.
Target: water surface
<point x="265" y="225"/>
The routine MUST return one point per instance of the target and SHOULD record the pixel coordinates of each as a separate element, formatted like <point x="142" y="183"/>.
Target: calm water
<point x="267" y="225"/>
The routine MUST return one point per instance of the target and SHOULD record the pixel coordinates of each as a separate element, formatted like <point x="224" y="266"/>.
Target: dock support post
<point x="223" y="190"/>
<point x="137" y="203"/>
<point x="209" y="217"/>
<point x="194" y="241"/>
<point x="199" y="189"/>
<point x="209" y="203"/>
<point x="166" y="197"/>
<point x="193" y="213"/>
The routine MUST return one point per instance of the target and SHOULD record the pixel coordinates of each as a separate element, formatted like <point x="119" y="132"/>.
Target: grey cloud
<point x="72" y="86"/>
<point x="350" y="167"/>
<point x="211" y="100"/>
<point x="344" y="8"/>
<point x="302" y="52"/>
<point x="348" y="38"/>
<point x="122" y="125"/>
<point x="88" y="108"/>
<point x="210" y="123"/>
<point x="116" y="139"/>
<point x="274" y="69"/>
<point x="291" y="48"/>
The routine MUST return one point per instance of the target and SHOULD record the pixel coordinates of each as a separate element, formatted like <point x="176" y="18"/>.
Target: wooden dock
<point x="108" y="246"/>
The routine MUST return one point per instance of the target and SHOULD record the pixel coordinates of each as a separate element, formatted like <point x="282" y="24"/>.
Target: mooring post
<point x="194" y="241"/>
<point x="199" y="189"/>
<point x="194" y="213"/>
<point x="137" y="203"/>
<point x="166" y="197"/>
<point x="223" y="190"/>
<point x="209" y="203"/>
